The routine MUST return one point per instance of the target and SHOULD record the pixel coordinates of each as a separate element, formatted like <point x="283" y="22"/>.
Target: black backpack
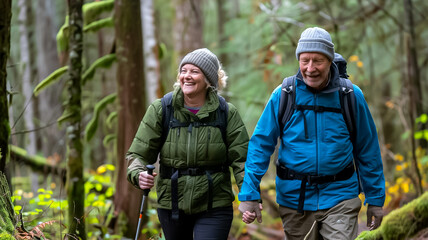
<point x="346" y="93"/>
<point x="169" y="121"/>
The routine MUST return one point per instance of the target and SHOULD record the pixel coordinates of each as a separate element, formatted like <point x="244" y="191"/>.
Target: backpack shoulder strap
<point x="222" y="114"/>
<point x="347" y="101"/>
<point x="167" y="113"/>
<point x="286" y="103"/>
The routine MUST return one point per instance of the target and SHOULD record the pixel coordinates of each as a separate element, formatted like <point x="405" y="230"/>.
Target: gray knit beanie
<point x="205" y="60"/>
<point x="315" y="40"/>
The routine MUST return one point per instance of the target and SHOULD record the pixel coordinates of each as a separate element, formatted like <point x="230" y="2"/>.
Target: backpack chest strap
<point x="175" y="173"/>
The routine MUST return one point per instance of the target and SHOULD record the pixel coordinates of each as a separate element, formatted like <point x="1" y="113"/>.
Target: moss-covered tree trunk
<point x="5" y="16"/>
<point x="75" y="182"/>
<point x="130" y="83"/>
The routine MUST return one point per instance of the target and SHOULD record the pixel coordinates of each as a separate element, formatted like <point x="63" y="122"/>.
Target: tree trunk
<point x="50" y="138"/>
<point x="188" y="29"/>
<point x="130" y="77"/>
<point x="413" y="87"/>
<point x="151" y="53"/>
<point x="75" y="181"/>
<point x="5" y="16"/>
<point x="27" y="59"/>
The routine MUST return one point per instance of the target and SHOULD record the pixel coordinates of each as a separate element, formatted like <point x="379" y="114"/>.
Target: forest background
<point x="80" y="75"/>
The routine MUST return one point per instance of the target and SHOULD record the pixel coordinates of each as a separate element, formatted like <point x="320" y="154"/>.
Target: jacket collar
<point x="211" y="102"/>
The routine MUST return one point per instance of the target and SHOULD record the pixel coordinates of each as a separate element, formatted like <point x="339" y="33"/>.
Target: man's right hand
<point x="145" y="180"/>
<point x="250" y="210"/>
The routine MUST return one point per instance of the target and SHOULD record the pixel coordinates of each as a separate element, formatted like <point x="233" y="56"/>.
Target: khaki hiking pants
<point x="338" y="222"/>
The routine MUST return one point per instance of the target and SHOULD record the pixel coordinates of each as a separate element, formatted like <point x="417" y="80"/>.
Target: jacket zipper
<point x="189" y="138"/>
<point x="177" y="141"/>
<point x="208" y="142"/>
<point x="316" y="153"/>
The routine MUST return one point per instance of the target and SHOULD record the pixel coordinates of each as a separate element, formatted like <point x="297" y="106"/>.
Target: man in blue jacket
<point x="317" y="185"/>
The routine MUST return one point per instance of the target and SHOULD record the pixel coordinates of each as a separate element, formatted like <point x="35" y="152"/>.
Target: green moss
<point x="402" y="223"/>
<point x="408" y="220"/>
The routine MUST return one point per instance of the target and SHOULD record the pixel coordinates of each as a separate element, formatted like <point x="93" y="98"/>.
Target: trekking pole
<point x="150" y="169"/>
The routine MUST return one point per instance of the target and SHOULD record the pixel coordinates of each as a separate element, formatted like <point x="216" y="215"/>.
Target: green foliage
<point x="7" y="216"/>
<point x="108" y="139"/>
<point x="62" y="37"/>
<point x="102" y="62"/>
<point x="6" y="236"/>
<point x="51" y="79"/>
<point x="402" y="223"/>
<point x="66" y="115"/>
<point x="93" y="9"/>
<point x="97" y="25"/>
<point x="422" y="134"/>
<point x="111" y="118"/>
<point x="99" y="190"/>
<point x="92" y="126"/>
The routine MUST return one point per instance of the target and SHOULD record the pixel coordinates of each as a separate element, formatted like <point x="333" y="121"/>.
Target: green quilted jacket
<point x="202" y="147"/>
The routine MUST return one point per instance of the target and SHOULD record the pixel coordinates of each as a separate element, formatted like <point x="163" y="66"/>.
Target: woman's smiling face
<point x="192" y="81"/>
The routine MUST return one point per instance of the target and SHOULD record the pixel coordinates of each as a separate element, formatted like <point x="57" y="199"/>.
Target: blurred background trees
<point x="131" y="49"/>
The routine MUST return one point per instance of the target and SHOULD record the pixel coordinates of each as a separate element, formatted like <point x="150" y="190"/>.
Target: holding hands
<point x="250" y="211"/>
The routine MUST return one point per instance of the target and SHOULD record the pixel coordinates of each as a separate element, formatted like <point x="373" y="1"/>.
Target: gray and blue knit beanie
<point x="315" y="40"/>
<point x="205" y="60"/>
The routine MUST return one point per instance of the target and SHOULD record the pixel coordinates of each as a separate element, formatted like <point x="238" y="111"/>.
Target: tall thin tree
<point x="188" y="28"/>
<point x="413" y="85"/>
<point x="75" y="181"/>
<point x="130" y="82"/>
<point x="5" y="17"/>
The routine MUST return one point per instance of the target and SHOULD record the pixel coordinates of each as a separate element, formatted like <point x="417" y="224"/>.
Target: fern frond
<point x="97" y="25"/>
<point x="102" y="62"/>
<point x="51" y="79"/>
<point x="93" y="9"/>
<point x="92" y="126"/>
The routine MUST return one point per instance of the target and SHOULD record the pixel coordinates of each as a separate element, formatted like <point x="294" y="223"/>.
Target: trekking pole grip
<point x="150" y="169"/>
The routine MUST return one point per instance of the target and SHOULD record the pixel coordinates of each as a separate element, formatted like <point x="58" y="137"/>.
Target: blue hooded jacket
<point x="326" y="150"/>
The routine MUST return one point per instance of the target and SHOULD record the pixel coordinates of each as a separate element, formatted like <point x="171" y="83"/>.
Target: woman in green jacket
<point x="196" y="150"/>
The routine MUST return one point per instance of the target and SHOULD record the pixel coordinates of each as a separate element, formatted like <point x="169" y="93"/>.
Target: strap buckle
<point x="193" y="171"/>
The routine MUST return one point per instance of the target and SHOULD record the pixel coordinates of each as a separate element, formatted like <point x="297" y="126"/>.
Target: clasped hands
<point x="250" y="211"/>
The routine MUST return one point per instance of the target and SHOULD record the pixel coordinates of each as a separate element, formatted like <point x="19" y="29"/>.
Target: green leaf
<point x="110" y="167"/>
<point x="92" y="126"/>
<point x="419" y="135"/>
<point x="108" y="139"/>
<point x="62" y="37"/>
<point x="405" y="135"/>
<point x="424" y="160"/>
<point x="97" y="25"/>
<point x="93" y="9"/>
<point x="51" y="79"/>
<point x="423" y="118"/>
<point x="65" y="116"/>
<point x="102" y="62"/>
<point x="111" y="118"/>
